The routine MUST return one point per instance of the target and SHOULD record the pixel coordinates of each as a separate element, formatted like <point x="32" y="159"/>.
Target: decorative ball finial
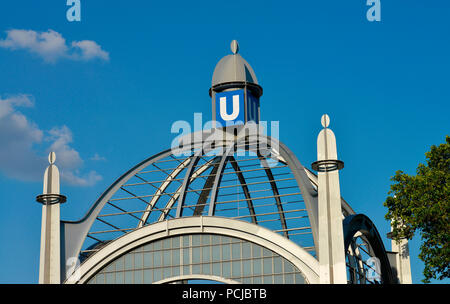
<point x="51" y="158"/>
<point x="234" y="47"/>
<point x="325" y="120"/>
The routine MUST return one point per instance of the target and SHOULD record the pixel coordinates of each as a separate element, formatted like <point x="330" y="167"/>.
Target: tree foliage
<point x="421" y="203"/>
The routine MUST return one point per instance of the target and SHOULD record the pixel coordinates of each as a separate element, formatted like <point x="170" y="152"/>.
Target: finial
<point x="234" y="47"/>
<point x="51" y="158"/>
<point x="325" y="120"/>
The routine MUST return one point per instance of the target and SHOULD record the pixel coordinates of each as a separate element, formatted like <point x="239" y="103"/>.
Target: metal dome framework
<point x="231" y="179"/>
<point x="254" y="179"/>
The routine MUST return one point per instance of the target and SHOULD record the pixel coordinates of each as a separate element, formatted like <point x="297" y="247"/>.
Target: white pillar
<point x="331" y="239"/>
<point x="50" y="266"/>
<point x="402" y="260"/>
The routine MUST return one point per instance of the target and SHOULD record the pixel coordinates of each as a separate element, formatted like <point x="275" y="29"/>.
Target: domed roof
<point x="233" y="68"/>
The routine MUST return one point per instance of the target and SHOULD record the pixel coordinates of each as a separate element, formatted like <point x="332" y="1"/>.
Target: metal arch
<point x="214" y="191"/>
<point x="161" y="189"/>
<point x="74" y="233"/>
<point x="206" y="189"/>
<point x="186" y="181"/>
<point x="299" y="257"/>
<point x="197" y="277"/>
<point x="353" y="224"/>
<point x="174" y="198"/>
<point x="248" y="198"/>
<point x="276" y="193"/>
<point x="307" y="190"/>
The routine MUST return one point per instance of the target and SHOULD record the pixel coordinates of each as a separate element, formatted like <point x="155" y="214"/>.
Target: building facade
<point x="229" y="204"/>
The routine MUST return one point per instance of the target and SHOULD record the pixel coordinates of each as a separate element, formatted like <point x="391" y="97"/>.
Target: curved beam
<point x="174" y="197"/>
<point x="161" y="190"/>
<point x="360" y="223"/>
<point x="241" y="178"/>
<point x="218" y="178"/>
<point x="276" y="193"/>
<point x="186" y="182"/>
<point x="259" y="235"/>
<point x="197" y="277"/>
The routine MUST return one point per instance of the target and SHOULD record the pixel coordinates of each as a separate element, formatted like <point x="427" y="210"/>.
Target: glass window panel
<point x="246" y="251"/>
<point x="277" y="265"/>
<point x="111" y="267"/>
<point x="157" y="256"/>
<point x="186" y="270"/>
<point x="176" y="271"/>
<point x="288" y="267"/>
<point x="216" y="269"/>
<point x="167" y="258"/>
<point x="256" y="251"/>
<point x="206" y="239"/>
<point x="216" y="253"/>
<point x="299" y="279"/>
<point x="157" y="275"/>
<point x="267" y="264"/>
<point x="215" y="239"/>
<point x="278" y="279"/>
<point x="148" y="259"/>
<point x="247" y="268"/>
<point x="129" y="261"/>
<point x="196" y="240"/>
<point x="196" y="255"/>
<point x="148" y="276"/>
<point x="167" y="272"/>
<point x="176" y="257"/>
<point x="157" y="245"/>
<point x="186" y="241"/>
<point x="137" y="260"/>
<point x="226" y="269"/>
<point x="257" y="280"/>
<point x="100" y="278"/>
<point x="119" y="277"/>
<point x="226" y="240"/>
<point x="176" y="242"/>
<point x="226" y="252"/>
<point x="110" y="278"/>
<point x="128" y="277"/>
<point x="289" y="278"/>
<point x="119" y="263"/>
<point x="166" y="243"/>
<point x="247" y="280"/>
<point x="236" y="268"/>
<point x="267" y="252"/>
<point x="267" y="279"/>
<point x="196" y="269"/>
<point x="236" y="251"/>
<point x="148" y="247"/>
<point x="138" y="276"/>
<point x="257" y="269"/>
<point x="186" y="260"/>
<point x="206" y="268"/>
<point x="205" y="254"/>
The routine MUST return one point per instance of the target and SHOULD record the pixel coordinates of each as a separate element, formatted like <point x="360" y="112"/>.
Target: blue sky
<point x="105" y="91"/>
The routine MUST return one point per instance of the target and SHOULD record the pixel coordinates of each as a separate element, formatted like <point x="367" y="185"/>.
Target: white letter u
<point x="223" y="108"/>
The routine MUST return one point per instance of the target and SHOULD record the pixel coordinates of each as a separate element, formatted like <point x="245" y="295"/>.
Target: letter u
<point x="223" y="108"/>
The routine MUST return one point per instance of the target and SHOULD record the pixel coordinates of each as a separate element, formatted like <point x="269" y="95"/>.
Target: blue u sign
<point x="230" y="108"/>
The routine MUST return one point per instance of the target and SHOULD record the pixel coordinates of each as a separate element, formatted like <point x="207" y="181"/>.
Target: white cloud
<point x="90" y="50"/>
<point x="51" y="46"/>
<point x="19" y="137"/>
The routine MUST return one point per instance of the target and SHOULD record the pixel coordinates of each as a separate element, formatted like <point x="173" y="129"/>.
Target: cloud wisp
<point x="19" y="136"/>
<point x="51" y="46"/>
